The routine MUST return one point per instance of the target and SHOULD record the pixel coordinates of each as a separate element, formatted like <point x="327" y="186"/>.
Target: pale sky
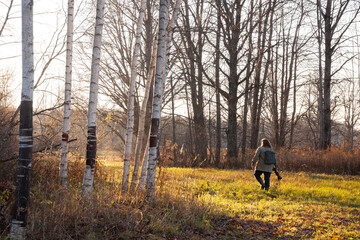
<point x="48" y="17"/>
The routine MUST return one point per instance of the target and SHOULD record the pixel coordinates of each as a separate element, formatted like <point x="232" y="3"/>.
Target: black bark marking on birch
<point x="26" y="132"/>
<point x="24" y="163"/>
<point x="155" y="122"/>
<point x="65" y="137"/>
<point x="91" y="147"/>
<point x="22" y="191"/>
<point x="26" y="113"/>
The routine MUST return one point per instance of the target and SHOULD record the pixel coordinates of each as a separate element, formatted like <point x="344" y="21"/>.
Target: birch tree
<point x="67" y="102"/>
<point x="142" y="116"/>
<point x="155" y="121"/>
<point x="144" y="166"/>
<point x="142" y="146"/>
<point x="18" y="224"/>
<point x="130" y="121"/>
<point x="158" y="93"/>
<point x="95" y="69"/>
<point x="169" y="36"/>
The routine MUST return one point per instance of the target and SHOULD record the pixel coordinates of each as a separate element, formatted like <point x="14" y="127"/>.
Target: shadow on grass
<point x="327" y="178"/>
<point x="189" y="222"/>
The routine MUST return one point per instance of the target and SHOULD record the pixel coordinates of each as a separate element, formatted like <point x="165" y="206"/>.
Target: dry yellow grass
<point x="191" y="204"/>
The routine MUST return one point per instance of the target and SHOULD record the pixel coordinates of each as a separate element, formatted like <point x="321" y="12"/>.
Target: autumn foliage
<point x="331" y="161"/>
<point x="334" y="161"/>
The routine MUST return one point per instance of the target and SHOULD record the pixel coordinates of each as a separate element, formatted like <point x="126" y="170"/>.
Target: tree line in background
<point x="238" y="71"/>
<point x="242" y="70"/>
<point x="209" y="79"/>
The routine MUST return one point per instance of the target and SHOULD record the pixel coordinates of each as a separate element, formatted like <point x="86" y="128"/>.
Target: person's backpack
<point x="270" y="157"/>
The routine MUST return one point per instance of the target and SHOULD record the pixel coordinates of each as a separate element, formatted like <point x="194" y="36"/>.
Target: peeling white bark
<point x="130" y="120"/>
<point x="142" y="116"/>
<point x="160" y="78"/>
<point x="18" y="223"/>
<point x="94" y="86"/>
<point x="67" y="102"/>
<point x="144" y="168"/>
<point x="155" y="123"/>
<point x="18" y="232"/>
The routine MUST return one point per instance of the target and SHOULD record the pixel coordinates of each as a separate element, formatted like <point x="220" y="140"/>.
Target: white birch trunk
<point x="155" y="121"/>
<point x="18" y="224"/>
<point x="169" y="35"/>
<point x="144" y="167"/>
<point x="67" y="101"/>
<point x="130" y="121"/>
<point x="95" y="69"/>
<point x="142" y="116"/>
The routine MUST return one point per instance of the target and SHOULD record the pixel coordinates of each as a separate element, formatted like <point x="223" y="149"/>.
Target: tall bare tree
<point x="193" y="38"/>
<point x="18" y="224"/>
<point x="67" y="101"/>
<point x="217" y="86"/>
<point x="233" y="25"/>
<point x="283" y="67"/>
<point x="259" y="83"/>
<point x="249" y="69"/>
<point x="142" y="144"/>
<point x="172" y="85"/>
<point x="156" y="113"/>
<point x="333" y="37"/>
<point x="143" y="111"/>
<point x="130" y="120"/>
<point x="320" y="81"/>
<point x="287" y="83"/>
<point x="93" y="99"/>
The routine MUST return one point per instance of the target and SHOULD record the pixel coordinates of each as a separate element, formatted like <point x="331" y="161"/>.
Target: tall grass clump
<point x="336" y="160"/>
<point x="57" y="213"/>
<point x="332" y="161"/>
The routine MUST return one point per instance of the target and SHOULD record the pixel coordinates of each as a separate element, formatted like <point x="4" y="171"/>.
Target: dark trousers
<point x="257" y="175"/>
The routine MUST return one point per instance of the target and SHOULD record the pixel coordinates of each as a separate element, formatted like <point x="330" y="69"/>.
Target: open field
<point x="193" y="204"/>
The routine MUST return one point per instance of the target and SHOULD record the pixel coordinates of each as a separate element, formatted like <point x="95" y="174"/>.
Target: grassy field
<point x="300" y="206"/>
<point x="194" y="204"/>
